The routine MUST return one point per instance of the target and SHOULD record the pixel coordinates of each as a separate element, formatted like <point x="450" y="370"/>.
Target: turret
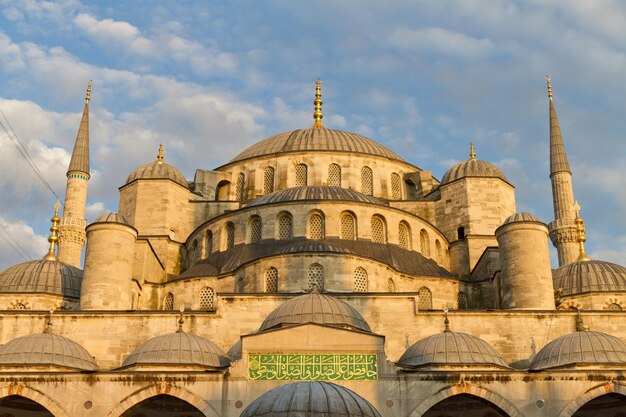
<point x="72" y="235"/>
<point x="562" y="229"/>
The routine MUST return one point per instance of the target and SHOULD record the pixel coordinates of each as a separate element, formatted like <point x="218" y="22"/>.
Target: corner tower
<point x="563" y="229"/>
<point x="72" y="236"/>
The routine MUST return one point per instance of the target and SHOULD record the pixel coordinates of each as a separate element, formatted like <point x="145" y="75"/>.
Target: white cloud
<point x="441" y="41"/>
<point x="34" y="245"/>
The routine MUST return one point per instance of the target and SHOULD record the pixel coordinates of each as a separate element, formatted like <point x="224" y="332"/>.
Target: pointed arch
<point x="334" y="175"/>
<point x="379" y="229"/>
<point x="271" y="279"/>
<point x="424" y="243"/>
<point x="268" y="180"/>
<point x="348" y="226"/>
<point x="404" y="235"/>
<point x="239" y="187"/>
<point x="367" y="181"/>
<point x="315" y="275"/>
<point x="438" y="252"/>
<point x="396" y="186"/>
<point x="222" y="191"/>
<point x="316" y="229"/>
<point x="208" y="243"/>
<point x="228" y="236"/>
<point x="360" y="280"/>
<point x="285" y="226"/>
<point x="302" y="175"/>
<point x="168" y="301"/>
<point x="590" y="395"/>
<point x="255" y="227"/>
<point x="34" y="395"/>
<point x="425" y="299"/>
<point x="207" y="299"/>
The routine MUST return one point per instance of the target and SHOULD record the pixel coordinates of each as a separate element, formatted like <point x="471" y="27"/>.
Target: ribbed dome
<point x="451" y="348"/>
<point x="316" y="139"/>
<point x="589" y="276"/>
<point x="310" y="399"/>
<point x="581" y="348"/>
<point x="156" y="170"/>
<point x="49" y="277"/>
<point x="521" y="217"/>
<point x="472" y="168"/>
<point x="46" y="349"/>
<point x="178" y="349"/>
<point x="110" y="217"/>
<point x="315" y="308"/>
<point x="314" y="193"/>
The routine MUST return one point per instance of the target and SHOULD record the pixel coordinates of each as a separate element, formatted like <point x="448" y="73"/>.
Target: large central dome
<point x="316" y="139"/>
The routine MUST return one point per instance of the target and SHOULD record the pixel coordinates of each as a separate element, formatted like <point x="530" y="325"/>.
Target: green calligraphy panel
<point x="312" y="367"/>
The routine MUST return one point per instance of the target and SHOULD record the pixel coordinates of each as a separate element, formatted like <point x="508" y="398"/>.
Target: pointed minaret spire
<point x="563" y="232"/>
<point x="80" y="154"/>
<point x="318" y="105"/>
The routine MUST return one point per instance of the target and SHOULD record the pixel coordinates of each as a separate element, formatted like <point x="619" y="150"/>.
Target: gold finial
<point x="549" y="87"/>
<point x="580" y="229"/>
<point x="53" y="239"/>
<point x="88" y="95"/>
<point x="318" y="104"/>
<point x="160" y="155"/>
<point x="181" y="320"/>
<point x="48" y="328"/>
<point x="446" y="322"/>
<point x="472" y="153"/>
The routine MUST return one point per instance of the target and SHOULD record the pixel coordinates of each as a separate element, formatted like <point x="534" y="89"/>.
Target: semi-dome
<point x="581" y="348"/>
<point x="589" y="276"/>
<point x="451" y="349"/>
<point x="316" y="139"/>
<point x="310" y="192"/>
<point x="111" y="217"/>
<point x="521" y="217"/>
<point x="307" y="399"/>
<point x="472" y="168"/>
<point x="178" y="349"/>
<point x="158" y="170"/>
<point x="42" y="276"/>
<point x="315" y="308"/>
<point x="46" y="349"/>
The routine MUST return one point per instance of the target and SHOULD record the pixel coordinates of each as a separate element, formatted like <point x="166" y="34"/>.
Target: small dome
<point x="178" y="349"/>
<point x="580" y="348"/>
<point x="589" y="276"/>
<point x="48" y="277"/>
<point x="472" y="168"/>
<point x="158" y="170"/>
<point x="320" y="399"/>
<point x="521" y="217"/>
<point x="110" y="217"/>
<point x="46" y="349"/>
<point x="451" y="348"/>
<point x="315" y="308"/>
<point x="309" y="192"/>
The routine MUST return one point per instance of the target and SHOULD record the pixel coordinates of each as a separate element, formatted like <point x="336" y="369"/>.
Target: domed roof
<point x="451" y="348"/>
<point x="156" y="170"/>
<point x="180" y="348"/>
<point x="580" y="348"/>
<point x="309" y="192"/>
<point x="521" y="217"/>
<point x="45" y="349"/>
<point x="110" y="217"/>
<point x="472" y="168"/>
<point x="315" y="308"/>
<point x="589" y="276"/>
<point x="42" y="276"/>
<point x="320" y="399"/>
<point x="316" y="139"/>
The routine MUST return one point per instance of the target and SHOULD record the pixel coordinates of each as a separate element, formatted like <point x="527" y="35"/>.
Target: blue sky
<point x="208" y="78"/>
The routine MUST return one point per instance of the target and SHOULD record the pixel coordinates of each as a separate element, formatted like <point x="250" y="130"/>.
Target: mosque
<point x="316" y="273"/>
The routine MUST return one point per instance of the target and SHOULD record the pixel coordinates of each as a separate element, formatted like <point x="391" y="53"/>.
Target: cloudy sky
<point x="208" y="78"/>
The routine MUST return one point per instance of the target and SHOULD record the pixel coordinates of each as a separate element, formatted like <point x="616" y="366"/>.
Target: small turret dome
<point x="42" y="276"/>
<point x="589" y="276"/>
<point x="46" y="349"/>
<point x="321" y="399"/>
<point x="158" y="170"/>
<point x="111" y="217"/>
<point x="521" y="217"/>
<point x="178" y="349"/>
<point x="472" y="168"/>
<point x="315" y="308"/>
<point x="580" y="348"/>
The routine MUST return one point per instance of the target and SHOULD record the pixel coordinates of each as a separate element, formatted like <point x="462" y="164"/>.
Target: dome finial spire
<point x="181" y="320"/>
<point x="88" y="95"/>
<point x="160" y="154"/>
<point x="580" y="327"/>
<point x="317" y="115"/>
<point x="446" y="322"/>
<point x="48" y="328"/>
<point x="549" y="87"/>
<point x="580" y="238"/>
<point x="54" y="238"/>
<point x="472" y="151"/>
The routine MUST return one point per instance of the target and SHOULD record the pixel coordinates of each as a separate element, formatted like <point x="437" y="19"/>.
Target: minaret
<point x="72" y="235"/>
<point x="562" y="230"/>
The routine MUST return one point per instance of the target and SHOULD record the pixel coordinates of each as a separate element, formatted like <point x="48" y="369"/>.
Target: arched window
<point x="239" y="194"/>
<point x="207" y="298"/>
<point x="301" y="175"/>
<point x="168" y="301"/>
<point x="256" y="230"/>
<point x="268" y="180"/>
<point x="367" y="181"/>
<point x="285" y="222"/>
<point x="396" y="186"/>
<point x="222" y="191"/>
<point x="334" y="175"/>
<point x="229" y="240"/>
<point x="404" y="236"/>
<point x="460" y="232"/>
<point x="424" y="243"/>
<point x="360" y="280"/>
<point x="316" y="226"/>
<point x="315" y="275"/>
<point x="462" y="301"/>
<point x="271" y="279"/>
<point x="348" y="227"/>
<point x="425" y="299"/>
<point x="208" y="243"/>
<point x="614" y="306"/>
<point x="391" y="286"/>
<point x="438" y="253"/>
<point x="378" y="230"/>
<point x="241" y="285"/>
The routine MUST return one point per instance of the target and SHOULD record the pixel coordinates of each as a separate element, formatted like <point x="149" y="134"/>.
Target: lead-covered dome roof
<point x="316" y="139"/>
<point x="42" y="276"/>
<point x="178" y="349"/>
<point x="158" y="170"/>
<point x="580" y="348"/>
<point x="46" y="349"/>
<point x="521" y="217"/>
<point x="320" y="399"/>
<point x="472" y="168"/>
<point x="451" y="349"/>
<point x="589" y="276"/>
<point x="310" y="192"/>
<point x="315" y="308"/>
<point x="111" y="217"/>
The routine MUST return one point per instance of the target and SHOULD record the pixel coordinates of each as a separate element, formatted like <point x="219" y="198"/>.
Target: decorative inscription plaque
<point x="313" y="367"/>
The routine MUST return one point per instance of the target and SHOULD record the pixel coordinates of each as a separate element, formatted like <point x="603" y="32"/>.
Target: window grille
<point x="230" y="235"/>
<point x="391" y="286"/>
<point x="360" y="280"/>
<point x="315" y="275"/>
<point x="284" y="227"/>
<point x="316" y="226"/>
<point x="378" y="230"/>
<point x="271" y="280"/>
<point x="301" y="175"/>
<point x="239" y="194"/>
<point x="207" y="298"/>
<point x="614" y="306"/>
<point x="424" y="243"/>
<point x="208" y="243"/>
<point x="334" y="175"/>
<point x="425" y="299"/>
<point x="367" y="181"/>
<point x="396" y="190"/>
<point x="168" y="301"/>
<point x="22" y="306"/>
<point x="462" y="301"/>
<point x="347" y="227"/>
<point x="268" y="180"/>
<point x="403" y="236"/>
<point x="256" y="230"/>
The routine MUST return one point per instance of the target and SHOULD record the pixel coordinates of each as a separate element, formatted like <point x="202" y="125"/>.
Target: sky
<point x="209" y="78"/>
